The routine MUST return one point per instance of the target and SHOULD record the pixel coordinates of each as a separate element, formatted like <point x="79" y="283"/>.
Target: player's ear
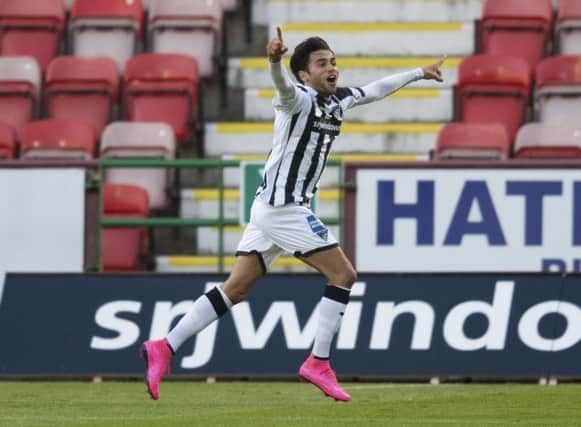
<point x="303" y="75"/>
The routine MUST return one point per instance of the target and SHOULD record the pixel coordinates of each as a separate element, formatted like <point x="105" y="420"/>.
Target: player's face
<point x="322" y="74"/>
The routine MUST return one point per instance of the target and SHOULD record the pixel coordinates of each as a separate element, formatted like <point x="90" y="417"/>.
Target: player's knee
<point x="345" y="278"/>
<point x="236" y="294"/>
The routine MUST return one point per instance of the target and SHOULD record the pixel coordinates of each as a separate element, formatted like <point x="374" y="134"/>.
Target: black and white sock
<point x="331" y="309"/>
<point x="207" y="308"/>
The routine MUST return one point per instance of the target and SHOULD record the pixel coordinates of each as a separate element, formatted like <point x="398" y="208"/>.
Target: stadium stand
<point x="82" y="89"/>
<point x="224" y="138"/>
<point x="7" y="141"/>
<point x="124" y="248"/>
<point x="494" y="89"/>
<point x="568" y="27"/>
<point x="112" y="28"/>
<point x="32" y="28"/>
<point x="160" y="91"/>
<point x="163" y="87"/>
<point x="385" y="38"/>
<point x="190" y="28"/>
<point x="140" y="140"/>
<point x="520" y="28"/>
<point x="549" y="141"/>
<point x="20" y="82"/>
<point x="57" y="139"/>
<point x="472" y="141"/>
<point x="558" y="88"/>
<point x="370" y="11"/>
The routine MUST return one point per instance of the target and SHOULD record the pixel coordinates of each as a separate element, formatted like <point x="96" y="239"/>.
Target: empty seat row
<point x="524" y="28"/>
<point x="155" y="88"/>
<point x="112" y="28"/>
<point x="498" y="89"/>
<point x="491" y="142"/>
<point x="67" y="140"/>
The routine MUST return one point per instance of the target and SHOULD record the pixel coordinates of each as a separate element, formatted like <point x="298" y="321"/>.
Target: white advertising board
<point x="468" y="220"/>
<point x="42" y="220"/>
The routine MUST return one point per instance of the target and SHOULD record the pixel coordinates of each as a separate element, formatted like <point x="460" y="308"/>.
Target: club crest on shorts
<point x="317" y="227"/>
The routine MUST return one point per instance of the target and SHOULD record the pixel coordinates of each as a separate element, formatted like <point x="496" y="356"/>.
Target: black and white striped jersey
<point x="305" y="127"/>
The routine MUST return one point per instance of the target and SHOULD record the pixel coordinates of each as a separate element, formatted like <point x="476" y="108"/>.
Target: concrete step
<point x="385" y="38"/>
<point x="268" y="11"/>
<point x="256" y="137"/>
<point x="209" y="264"/>
<point x="253" y="72"/>
<point x="413" y="104"/>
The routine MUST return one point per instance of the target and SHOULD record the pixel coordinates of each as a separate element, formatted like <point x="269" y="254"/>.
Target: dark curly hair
<point x="300" y="57"/>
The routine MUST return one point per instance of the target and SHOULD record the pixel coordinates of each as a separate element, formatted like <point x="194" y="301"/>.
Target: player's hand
<point x="276" y="48"/>
<point x="433" y="72"/>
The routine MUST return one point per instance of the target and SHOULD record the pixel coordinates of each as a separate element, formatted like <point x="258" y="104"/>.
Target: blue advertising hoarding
<point x="477" y="325"/>
<point x="467" y="219"/>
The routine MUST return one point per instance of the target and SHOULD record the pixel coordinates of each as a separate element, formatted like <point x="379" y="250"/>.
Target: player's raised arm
<point x="275" y="49"/>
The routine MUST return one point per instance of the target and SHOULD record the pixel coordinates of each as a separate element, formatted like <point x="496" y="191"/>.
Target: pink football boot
<point x="319" y="373"/>
<point x="157" y="356"/>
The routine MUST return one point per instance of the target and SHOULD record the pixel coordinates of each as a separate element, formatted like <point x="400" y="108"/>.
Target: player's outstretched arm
<point x="379" y="89"/>
<point x="433" y="71"/>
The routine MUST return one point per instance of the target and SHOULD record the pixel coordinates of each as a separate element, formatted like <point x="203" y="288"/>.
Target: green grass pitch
<point x="185" y="403"/>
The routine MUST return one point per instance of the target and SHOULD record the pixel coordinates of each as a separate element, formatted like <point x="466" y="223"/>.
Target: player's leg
<point x="217" y="301"/>
<point x="206" y="309"/>
<point x="249" y="266"/>
<point x="340" y="275"/>
<point x="298" y="230"/>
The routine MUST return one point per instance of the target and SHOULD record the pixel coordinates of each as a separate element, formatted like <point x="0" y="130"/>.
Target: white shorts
<point x="292" y="228"/>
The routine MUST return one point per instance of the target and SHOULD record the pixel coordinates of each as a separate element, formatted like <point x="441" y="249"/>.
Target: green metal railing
<point x="219" y="222"/>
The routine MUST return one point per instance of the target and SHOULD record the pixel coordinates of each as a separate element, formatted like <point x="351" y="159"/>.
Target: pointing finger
<point x="279" y="33"/>
<point x="441" y="61"/>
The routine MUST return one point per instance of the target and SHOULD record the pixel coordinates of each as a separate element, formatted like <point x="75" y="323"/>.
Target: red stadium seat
<point x="20" y="82"/>
<point x="7" y="141"/>
<point x="140" y="140"/>
<point x="189" y="28"/>
<point x="57" y="139"/>
<point x="82" y="89"/>
<point x="519" y="28"/>
<point x="494" y="89"/>
<point x="110" y="28"/>
<point x="472" y="141"/>
<point x="568" y="28"/>
<point x="31" y="28"/>
<point x="123" y="248"/>
<point x="558" y="89"/>
<point x="548" y="141"/>
<point x="162" y="87"/>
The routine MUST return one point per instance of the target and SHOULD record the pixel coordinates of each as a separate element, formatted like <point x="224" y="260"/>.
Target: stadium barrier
<point x="510" y="326"/>
<point x="221" y="222"/>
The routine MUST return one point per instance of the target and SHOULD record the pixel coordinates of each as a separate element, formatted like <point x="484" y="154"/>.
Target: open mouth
<point x="332" y="79"/>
